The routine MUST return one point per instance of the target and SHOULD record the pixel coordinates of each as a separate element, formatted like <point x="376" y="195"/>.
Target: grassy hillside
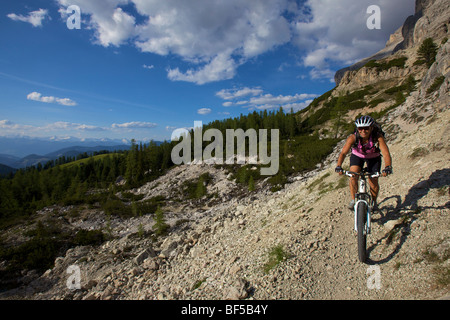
<point x="86" y="160"/>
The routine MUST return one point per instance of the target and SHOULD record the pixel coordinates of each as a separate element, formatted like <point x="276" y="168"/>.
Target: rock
<point x="90" y="296"/>
<point x="135" y="272"/>
<point x="106" y="295"/>
<point x="391" y="224"/>
<point x="442" y="250"/>
<point x="238" y="291"/>
<point x="150" y="264"/>
<point x="169" y="245"/>
<point x="234" y="269"/>
<point x="89" y="285"/>
<point x="149" y="252"/>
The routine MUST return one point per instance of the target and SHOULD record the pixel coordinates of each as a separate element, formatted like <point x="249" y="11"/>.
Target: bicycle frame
<point x="362" y="195"/>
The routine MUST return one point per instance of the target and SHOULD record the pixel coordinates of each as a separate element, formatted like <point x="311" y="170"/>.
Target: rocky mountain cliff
<point x="296" y="243"/>
<point x="427" y="21"/>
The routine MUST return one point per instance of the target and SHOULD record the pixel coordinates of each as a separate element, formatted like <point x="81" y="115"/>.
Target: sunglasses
<point x="364" y="128"/>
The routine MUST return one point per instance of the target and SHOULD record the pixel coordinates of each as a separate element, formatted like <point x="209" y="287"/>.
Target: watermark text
<point x="374" y="21"/>
<point x="216" y="147"/>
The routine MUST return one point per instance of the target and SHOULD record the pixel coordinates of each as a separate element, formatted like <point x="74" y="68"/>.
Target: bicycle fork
<point x="367" y="216"/>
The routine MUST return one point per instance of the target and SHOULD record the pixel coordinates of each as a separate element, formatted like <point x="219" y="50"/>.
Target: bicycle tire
<point x="361" y="217"/>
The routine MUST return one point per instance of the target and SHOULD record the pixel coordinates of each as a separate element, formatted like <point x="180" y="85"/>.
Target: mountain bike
<point x="362" y="210"/>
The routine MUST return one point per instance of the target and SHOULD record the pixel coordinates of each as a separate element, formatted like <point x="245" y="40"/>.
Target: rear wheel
<point x="361" y="212"/>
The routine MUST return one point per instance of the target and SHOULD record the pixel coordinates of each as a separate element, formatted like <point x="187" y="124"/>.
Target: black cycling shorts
<point x="374" y="164"/>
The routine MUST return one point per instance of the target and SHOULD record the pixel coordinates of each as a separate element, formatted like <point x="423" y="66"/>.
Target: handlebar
<point x="365" y="174"/>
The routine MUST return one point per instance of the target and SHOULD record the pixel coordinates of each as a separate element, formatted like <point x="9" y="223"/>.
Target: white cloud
<point x="268" y="99"/>
<point x="115" y="30"/>
<point x="221" y="67"/>
<point x="112" y="25"/>
<point x="66" y="102"/>
<point x="5" y="123"/>
<point x="62" y="125"/>
<point x="261" y="101"/>
<point x="36" y="96"/>
<point x="325" y="73"/>
<point x="35" y="18"/>
<point x="204" y="111"/>
<point x="336" y="32"/>
<point x="148" y="66"/>
<point x="67" y="129"/>
<point x="134" y="125"/>
<point x="170" y="128"/>
<point x="228" y="94"/>
<point x="215" y="36"/>
<point x="10" y="127"/>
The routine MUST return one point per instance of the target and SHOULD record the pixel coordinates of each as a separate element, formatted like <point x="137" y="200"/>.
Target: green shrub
<point x="88" y="237"/>
<point x="243" y="174"/>
<point x="411" y="83"/>
<point x="40" y="251"/>
<point x="371" y="64"/>
<point x="200" y="190"/>
<point x="396" y="89"/>
<point x="198" y="284"/>
<point x="399" y="98"/>
<point x="276" y="255"/>
<point x="383" y="65"/>
<point x="278" y="181"/>
<point x="196" y="188"/>
<point x="356" y="105"/>
<point x="116" y="207"/>
<point x="398" y="62"/>
<point x="150" y="205"/>
<point x="419" y="152"/>
<point x="376" y="102"/>
<point x="132" y="197"/>
<point x="251" y="184"/>
<point x="436" y="84"/>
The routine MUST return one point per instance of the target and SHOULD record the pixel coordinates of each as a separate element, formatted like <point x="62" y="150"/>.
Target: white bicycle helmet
<point x="364" y="121"/>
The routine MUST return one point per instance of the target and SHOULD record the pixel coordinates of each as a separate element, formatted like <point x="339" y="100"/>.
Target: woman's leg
<point x="374" y="188"/>
<point x="356" y="164"/>
<point x="354" y="181"/>
<point x="374" y="166"/>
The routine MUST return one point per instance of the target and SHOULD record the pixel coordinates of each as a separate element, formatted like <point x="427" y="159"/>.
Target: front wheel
<point x="361" y="212"/>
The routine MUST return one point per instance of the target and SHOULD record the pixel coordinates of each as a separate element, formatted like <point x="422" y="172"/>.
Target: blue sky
<point x="141" y="68"/>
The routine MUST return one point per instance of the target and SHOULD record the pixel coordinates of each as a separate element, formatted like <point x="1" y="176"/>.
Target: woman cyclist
<point x="366" y="144"/>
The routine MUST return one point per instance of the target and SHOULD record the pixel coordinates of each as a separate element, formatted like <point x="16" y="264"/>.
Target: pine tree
<point x="160" y="227"/>
<point x="427" y="51"/>
<point x="131" y="164"/>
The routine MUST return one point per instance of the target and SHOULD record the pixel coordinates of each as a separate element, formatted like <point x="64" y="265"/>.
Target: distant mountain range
<point x="23" y="146"/>
<point x="5" y="170"/>
<point x="10" y="163"/>
<point x="22" y="152"/>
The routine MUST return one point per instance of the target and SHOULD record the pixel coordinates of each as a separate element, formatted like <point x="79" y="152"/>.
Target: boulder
<point x="149" y="252"/>
<point x="237" y="291"/>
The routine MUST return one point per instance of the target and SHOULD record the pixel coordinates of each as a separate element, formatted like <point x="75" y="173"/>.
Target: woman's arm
<point x="348" y="145"/>
<point x="385" y="151"/>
